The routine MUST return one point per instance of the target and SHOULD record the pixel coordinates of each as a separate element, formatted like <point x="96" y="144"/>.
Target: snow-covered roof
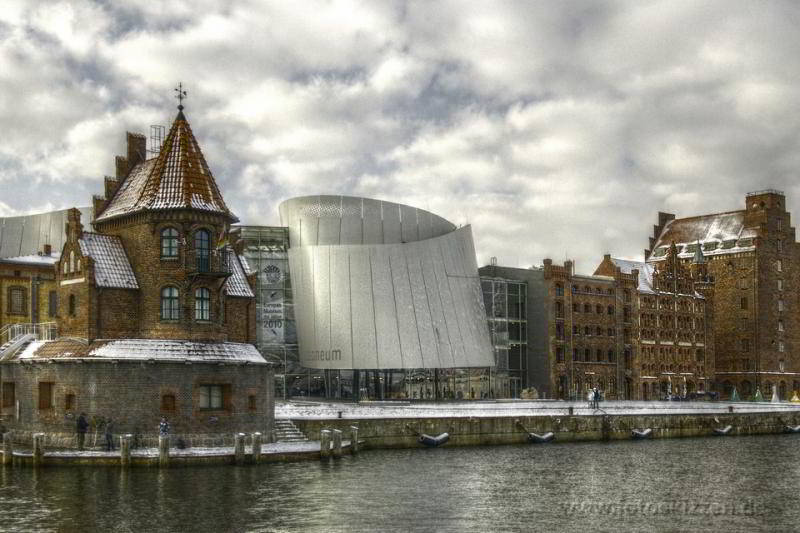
<point x="236" y="284"/>
<point x="178" y="178"/>
<point x="721" y="233"/>
<point x="627" y="266"/>
<point x="111" y="266"/>
<point x="146" y="350"/>
<point x="34" y="259"/>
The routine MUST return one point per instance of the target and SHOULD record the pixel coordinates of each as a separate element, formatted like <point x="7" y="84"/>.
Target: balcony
<point x="212" y="263"/>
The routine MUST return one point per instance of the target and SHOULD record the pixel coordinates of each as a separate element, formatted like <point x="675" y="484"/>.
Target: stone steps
<point x="286" y="431"/>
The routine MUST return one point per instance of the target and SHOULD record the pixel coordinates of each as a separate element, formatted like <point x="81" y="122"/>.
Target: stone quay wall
<point x="484" y="431"/>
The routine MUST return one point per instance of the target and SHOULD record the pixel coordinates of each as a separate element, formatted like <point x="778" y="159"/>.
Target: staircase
<point x="286" y="431"/>
<point x="16" y="337"/>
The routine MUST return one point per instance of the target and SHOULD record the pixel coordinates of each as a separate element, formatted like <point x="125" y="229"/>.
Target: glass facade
<point x="505" y="302"/>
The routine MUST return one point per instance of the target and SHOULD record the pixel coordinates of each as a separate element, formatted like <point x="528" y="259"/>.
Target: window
<point x="575" y="356"/>
<point x="210" y="396"/>
<point x="252" y="402"/>
<point x="610" y="310"/>
<point x="169" y="242"/>
<point x="780" y="305"/>
<point x="170" y="304"/>
<point x="780" y="325"/>
<point x="9" y="396"/>
<point x="559" y="353"/>
<point x="168" y="402"/>
<point x="72" y="261"/>
<point x="559" y="289"/>
<point x="599" y="355"/>
<point x="202" y="304"/>
<point x="745" y="345"/>
<point x="17" y="300"/>
<point x="52" y="304"/>
<point x="743" y="302"/>
<point x="781" y="347"/>
<point x="780" y="245"/>
<point x="780" y="284"/>
<point x="611" y="356"/>
<point x="779" y="265"/>
<point x="45" y="395"/>
<point x="69" y="402"/>
<point x="586" y="330"/>
<point x="71" y="305"/>
<point x="587" y="354"/>
<point x="627" y="295"/>
<point x="202" y="250"/>
<point x="610" y="332"/>
<point x="587" y="308"/>
<point x="599" y="309"/>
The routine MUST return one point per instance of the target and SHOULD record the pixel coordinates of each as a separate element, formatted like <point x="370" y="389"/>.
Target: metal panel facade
<point x="383" y="286"/>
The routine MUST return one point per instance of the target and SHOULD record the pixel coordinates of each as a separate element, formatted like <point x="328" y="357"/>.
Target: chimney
<point x="111" y="186"/>
<point x="121" y="167"/>
<point x="74" y="226"/>
<point x="568" y="267"/>
<point x="48" y="250"/>
<point x="137" y="149"/>
<point x="607" y="257"/>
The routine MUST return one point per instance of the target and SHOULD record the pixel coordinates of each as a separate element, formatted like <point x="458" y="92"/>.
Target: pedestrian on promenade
<point x="596" y="398"/>
<point x="163" y="427"/>
<point x="109" y="434"/>
<point x="82" y="428"/>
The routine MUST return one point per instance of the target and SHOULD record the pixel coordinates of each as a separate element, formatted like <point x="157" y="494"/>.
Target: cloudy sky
<point x="557" y="129"/>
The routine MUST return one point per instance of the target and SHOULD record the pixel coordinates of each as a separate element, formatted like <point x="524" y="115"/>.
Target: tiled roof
<point x="236" y="284"/>
<point x="178" y="178"/>
<point x="147" y="350"/>
<point x="721" y="233"/>
<point x="111" y="266"/>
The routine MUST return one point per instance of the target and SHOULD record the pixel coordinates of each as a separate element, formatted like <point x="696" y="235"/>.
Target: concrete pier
<point x="256" y="448"/>
<point x="38" y="448"/>
<point x="238" y="448"/>
<point x="324" y="443"/>
<point x="8" y="449"/>
<point x="163" y="451"/>
<point x="125" y="449"/>
<point x="353" y="439"/>
<point x="337" y="443"/>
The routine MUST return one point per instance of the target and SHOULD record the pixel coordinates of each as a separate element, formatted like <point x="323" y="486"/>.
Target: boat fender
<point x="723" y="431"/>
<point x="540" y="439"/>
<point x="433" y="442"/>
<point x="643" y="434"/>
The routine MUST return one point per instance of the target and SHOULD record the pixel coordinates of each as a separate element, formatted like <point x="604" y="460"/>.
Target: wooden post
<point x="337" y="443"/>
<point x="125" y="449"/>
<point x="163" y="451"/>
<point x="238" y="448"/>
<point x="324" y="443"/>
<point x="38" y="448"/>
<point x="8" y="449"/>
<point x="354" y="439"/>
<point x="256" y="448"/>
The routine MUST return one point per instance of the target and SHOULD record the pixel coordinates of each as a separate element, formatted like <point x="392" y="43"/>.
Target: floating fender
<point x="433" y="442"/>
<point x="643" y="434"/>
<point x="791" y="429"/>
<point x="541" y="439"/>
<point x="723" y="431"/>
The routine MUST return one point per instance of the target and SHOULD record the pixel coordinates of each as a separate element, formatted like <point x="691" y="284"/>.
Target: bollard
<point x="8" y="449"/>
<point x="337" y="443"/>
<point x="256" y="448"/>
<point x="571" y="410"/>
<point x="354" y="439"/>
<point x="324" y="443"/>
<point x="125" y="449"/>
<point x="730" y="408"/>
<point x="38" y="448"/>
<point x="238" y="448"/>
<point x="163" y="450"/>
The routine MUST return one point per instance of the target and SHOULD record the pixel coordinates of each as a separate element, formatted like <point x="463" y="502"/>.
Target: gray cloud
<point x="557" y="129"/>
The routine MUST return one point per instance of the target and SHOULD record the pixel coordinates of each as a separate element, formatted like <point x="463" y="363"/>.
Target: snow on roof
<point x="146" y="350"/>
<point x="627" y="266"/>
<point x="34" y="259"/>
<point x="721" y="233"/>
<point x="111" y="266"/>
<point x="236" y="284"/>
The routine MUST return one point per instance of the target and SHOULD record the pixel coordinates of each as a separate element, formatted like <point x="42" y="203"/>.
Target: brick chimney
<point x="137" y="149"/>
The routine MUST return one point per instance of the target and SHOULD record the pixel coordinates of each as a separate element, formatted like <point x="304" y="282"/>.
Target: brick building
<point x="27" y="290"/>
<point x="581" y="330"/>
<point x="155" y="309"/>
<point x="752" y="258"/>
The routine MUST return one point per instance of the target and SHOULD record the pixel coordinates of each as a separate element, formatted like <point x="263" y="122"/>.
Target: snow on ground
<point x="328" y="410"/>
<point x="266" y="449"/>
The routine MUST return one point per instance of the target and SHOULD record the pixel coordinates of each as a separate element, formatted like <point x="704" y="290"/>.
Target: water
<point x="734" y="484"/>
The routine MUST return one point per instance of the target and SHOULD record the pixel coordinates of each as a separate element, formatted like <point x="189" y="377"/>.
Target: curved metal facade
<point x="379" y="285"/>
<point x="27" y="235"/>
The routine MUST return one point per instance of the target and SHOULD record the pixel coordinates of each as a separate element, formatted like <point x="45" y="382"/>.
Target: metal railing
<point x="213" y="261"/>
<point x="44" y="331"/>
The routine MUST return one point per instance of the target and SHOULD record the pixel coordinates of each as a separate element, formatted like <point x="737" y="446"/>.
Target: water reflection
<point x="745" y="483"/>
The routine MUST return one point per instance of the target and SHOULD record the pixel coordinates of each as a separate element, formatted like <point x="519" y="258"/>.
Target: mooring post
<point x="256" y="448"/>
<point x="324" y="443"/>
<point x="238" y="448"/>
<point x="337" y="443"/>
<point x="571" y="410"/>
<point x="354" y="439"/>
<point x="38" y="448"/>
<point x="8" y="449"/>
<point x="163" y="451"/>
<point x="125" y="449"/>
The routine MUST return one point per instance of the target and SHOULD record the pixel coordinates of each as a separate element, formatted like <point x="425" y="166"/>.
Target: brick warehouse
<point x="752" y="259"/>
<point x="155" y="311"/>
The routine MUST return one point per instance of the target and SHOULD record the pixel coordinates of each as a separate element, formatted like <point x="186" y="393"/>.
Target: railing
<point x="44" y="331"/>
<point x="765" y="191"/>
<point x="212" y="261"/>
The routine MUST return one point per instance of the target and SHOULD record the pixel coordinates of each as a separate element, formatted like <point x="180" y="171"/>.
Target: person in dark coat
<point x="109" y="435"/>
<point x="82" y="428"/>
<point x="163" y="426"/>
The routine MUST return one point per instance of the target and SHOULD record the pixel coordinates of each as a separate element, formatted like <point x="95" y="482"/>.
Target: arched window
<point x="610" y="310"/>
<point x="202" y="304"/>
<point x="587" y="308"/>
<point x="169" y="242"/>
<point x="587" y="354"/>
<point x="170" y="304"/>
<point x="599" y="355"/>
<point x="202" y="250"/>
<point x="65" y="266"/>
<point x="72" y="261"/>
<point x="559" y="289"/>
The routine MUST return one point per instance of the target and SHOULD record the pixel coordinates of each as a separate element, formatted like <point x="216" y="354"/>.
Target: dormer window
<point x="169" y="242"/>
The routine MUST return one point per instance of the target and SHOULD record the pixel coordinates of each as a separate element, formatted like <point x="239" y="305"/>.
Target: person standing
<point x="109" y="434"/>
<point x="82" y="428"/>
<point x="163" y="427"/>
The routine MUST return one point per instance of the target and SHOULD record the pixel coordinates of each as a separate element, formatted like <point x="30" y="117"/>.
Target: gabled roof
<point x="720" y="233"/>
<point x="178" y="178"/>
<point x="236" y="284"/>
<point x="111" y="266"/>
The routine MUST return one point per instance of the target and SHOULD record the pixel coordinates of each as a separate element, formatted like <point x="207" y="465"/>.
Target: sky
<point x="556" y="129"/>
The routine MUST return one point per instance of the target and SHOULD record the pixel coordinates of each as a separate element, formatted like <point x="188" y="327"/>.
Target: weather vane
<point x="180" y="96"/>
